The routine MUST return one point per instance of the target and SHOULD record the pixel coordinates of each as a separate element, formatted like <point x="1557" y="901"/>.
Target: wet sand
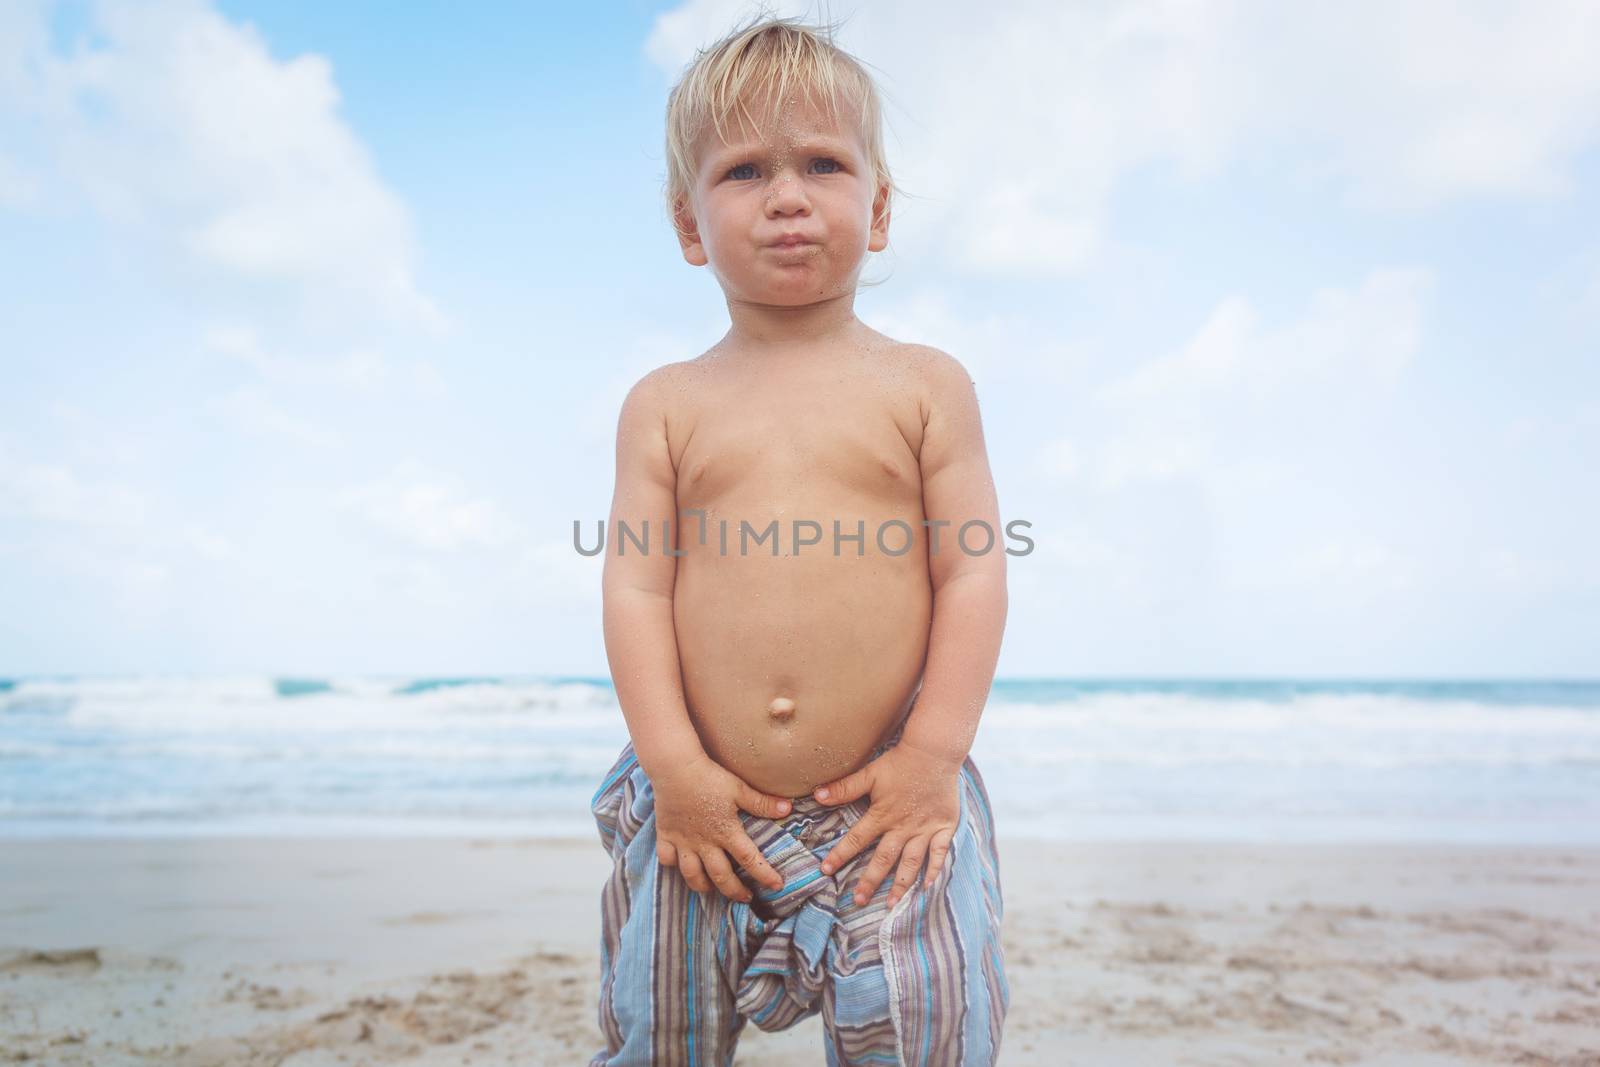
<point x="315" y="952"/>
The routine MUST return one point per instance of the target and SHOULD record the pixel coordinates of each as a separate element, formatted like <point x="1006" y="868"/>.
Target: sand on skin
<point x="430" y="951"/>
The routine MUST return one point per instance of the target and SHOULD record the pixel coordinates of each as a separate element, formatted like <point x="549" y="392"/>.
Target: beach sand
<point x="314" y="952"/>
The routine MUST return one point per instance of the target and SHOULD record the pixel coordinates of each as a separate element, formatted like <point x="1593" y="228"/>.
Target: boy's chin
<point x="796" y="300"/>
<point x="798" y="294"/>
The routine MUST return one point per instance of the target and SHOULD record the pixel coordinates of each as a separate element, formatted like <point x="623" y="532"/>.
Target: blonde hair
<point x="765" y="60"/>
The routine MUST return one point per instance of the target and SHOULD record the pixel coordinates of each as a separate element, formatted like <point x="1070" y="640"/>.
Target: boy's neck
<point x="770" y="327"/>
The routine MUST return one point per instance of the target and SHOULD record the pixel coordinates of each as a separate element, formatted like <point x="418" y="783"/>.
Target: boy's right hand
<point x="698" y="828"/>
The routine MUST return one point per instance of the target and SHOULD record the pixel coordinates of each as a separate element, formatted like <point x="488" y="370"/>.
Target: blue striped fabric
<point x="681" y="973"/>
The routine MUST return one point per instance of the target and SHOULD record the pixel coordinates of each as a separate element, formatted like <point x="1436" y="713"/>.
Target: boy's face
<point x="798" y="173"/>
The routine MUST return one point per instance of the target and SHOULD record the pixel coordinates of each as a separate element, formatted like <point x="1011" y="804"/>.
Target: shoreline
<point x="481" y="950"/>
<point x="1144" y="829"/>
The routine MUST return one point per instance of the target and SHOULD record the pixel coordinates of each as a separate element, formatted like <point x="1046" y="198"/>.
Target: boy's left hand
<point x="915" y="805"/>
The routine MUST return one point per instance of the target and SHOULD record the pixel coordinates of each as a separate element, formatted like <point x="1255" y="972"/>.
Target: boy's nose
<point x="785" y="194"/>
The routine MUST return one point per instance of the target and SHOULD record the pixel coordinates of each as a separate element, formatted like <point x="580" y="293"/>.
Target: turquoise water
<point x="1263" y="760"/>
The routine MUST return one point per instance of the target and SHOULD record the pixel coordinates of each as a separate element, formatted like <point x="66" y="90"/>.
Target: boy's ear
<point x="688" y="233"/>
<point x="878" y="236"/>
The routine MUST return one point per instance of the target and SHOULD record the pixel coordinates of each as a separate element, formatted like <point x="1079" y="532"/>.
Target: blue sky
<point x="314" y="320"/>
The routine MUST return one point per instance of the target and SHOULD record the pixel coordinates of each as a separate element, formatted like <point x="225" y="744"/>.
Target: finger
<point x="721" y="873"/>
<point x="883" y="858"/>
<point x="936" y="854"/>
<point x="910" y="863"/>
<point x="846" y="789"/>
<point x="747" y="855"/>
<point x="858" y="837"/>
<point x="666" y="854"/>
<point x="689" y="864"/>
<point x="762" y="804"/>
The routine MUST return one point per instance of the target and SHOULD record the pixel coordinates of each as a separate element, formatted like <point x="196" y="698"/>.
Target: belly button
<point x="781" y="709"/>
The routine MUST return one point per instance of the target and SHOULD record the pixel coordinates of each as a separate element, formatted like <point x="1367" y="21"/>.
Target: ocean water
<point x="1282" y="760"/>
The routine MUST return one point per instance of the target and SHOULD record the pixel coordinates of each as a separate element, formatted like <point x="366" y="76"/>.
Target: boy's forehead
<point x="796" y="121"/>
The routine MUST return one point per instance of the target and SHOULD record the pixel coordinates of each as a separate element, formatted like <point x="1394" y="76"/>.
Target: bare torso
<point x="796" y="666"/>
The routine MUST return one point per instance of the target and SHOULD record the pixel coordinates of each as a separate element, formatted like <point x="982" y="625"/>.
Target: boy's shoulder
<point x="656" y="386"/>
<point x="924" y="359"/>
<point x="934" y="363"/>
<point x="942" y="380"/>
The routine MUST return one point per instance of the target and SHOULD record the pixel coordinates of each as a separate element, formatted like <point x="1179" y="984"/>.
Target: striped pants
<point x="680" y="973"/>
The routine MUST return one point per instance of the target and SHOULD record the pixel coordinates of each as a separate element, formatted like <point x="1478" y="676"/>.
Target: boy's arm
<point x="914" y="785"/>
<point x="641" y="642"/>
<point x="696" y="799"/>
<point x="969" y="591"/>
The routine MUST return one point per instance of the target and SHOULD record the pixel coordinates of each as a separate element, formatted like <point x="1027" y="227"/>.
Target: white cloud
<point x="1076" y="547"/>
<point x="50" y="492"/>
<point x="250" y="408"/>
<point x="97" y="531"/>
<point x="212" y="545"/>
<point x="19" y="188"/>
<point x="1573" y="432"/>
<point x="1214" y="357"/>
<point x="135" y="583"/>
<point x="96" y="440"/>
<point x="360" y="367"/>
<point x="419" y="584"/>
<point x="993" y="346"/>
<point x="117" y="536"/>
<point x="1351" y="561"/>
<point x="24" y="33"/>
<point x="552" y="571"/>
<point x="1019" y="125"/>
<point x="677" y="33"/>
<point x="181" y="125"/>
<point x="598" y="421"/>
<point x="1370" y="333"/>
<point x="431" y="510"/>
<point x="1195" y="412"/>
<point x="1058" y="461"/>
<point x="90" y="527"/>
<point x="1158" y="455"/>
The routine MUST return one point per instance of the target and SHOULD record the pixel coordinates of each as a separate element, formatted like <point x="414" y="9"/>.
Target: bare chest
<point x="802" y="443"/>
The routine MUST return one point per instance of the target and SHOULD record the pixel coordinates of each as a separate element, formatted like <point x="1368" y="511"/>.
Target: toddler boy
<point x="802" y="616"/>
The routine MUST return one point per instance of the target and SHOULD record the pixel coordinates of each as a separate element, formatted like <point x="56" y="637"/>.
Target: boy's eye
<point x="833" y="167"/>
